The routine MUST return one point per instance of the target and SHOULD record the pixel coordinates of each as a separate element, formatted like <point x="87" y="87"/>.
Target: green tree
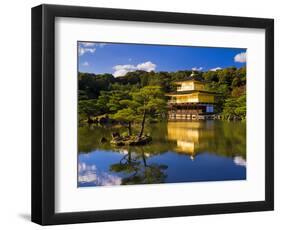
<point x="126" y="116"/>
<point x="211" y="76"/>
<point x="236" y="82"/>
<point x="102" y="102"/>
<point x="235" y="108"/>
<point x="140" y="104"/>
<point x="115" y="97"/>
<point x="238" y="91"/>
<point x="88" y="108"/>
<point x="150" y="101"/>
<point x="111" y="93"/>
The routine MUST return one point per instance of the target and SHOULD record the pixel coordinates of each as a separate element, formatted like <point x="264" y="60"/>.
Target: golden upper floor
<point x="190" y="85"/>
<point x="191" y="91"/>
<point x="195" y="97"/>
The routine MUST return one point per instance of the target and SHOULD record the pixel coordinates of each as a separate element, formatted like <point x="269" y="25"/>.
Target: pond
<point x="186" y="151"/>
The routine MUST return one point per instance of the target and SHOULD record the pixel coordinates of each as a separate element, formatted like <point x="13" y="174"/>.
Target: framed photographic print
<point x="142" y="114"/>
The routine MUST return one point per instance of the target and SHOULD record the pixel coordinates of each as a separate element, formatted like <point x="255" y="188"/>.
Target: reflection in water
<point x="138" y="170"/>
<point x="239" y="161"/>
<point x="190" y="136"/>
<point x="216" y="151"/>
<point x="89" y="175"/>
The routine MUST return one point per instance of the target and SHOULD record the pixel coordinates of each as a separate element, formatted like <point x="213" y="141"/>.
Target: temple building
<point x="191" y="100"/>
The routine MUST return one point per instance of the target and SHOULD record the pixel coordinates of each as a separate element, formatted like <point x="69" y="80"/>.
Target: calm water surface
<point x="179" y="152"/>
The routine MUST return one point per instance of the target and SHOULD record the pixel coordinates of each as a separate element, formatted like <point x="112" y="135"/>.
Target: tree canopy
<point x="140" y="95"/>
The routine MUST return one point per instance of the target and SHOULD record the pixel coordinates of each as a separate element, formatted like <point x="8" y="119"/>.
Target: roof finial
<point x="192" y="73"/>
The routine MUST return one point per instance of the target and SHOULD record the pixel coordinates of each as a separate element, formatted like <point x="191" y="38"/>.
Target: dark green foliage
<point x="235" y="107"/>
<point x="138" y="105"/>
<point x="211" y="76"/>
<point x="230" y="83"/>
<point x="124" y="95"/>
<point x="88" y="108"/>
<point x="92" y="84"/>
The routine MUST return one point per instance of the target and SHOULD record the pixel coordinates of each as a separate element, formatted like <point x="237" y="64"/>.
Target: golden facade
<point x="191" y="101"/>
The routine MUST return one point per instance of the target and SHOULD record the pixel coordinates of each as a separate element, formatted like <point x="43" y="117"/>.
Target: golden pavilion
<point x="191" y="100"/>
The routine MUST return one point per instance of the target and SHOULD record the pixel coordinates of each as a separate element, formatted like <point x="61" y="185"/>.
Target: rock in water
<point x="103" y="140"/>
<point x="115" y="135"/>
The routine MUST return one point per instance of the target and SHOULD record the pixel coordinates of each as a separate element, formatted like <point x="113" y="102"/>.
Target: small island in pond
<point x="136" y="101"/>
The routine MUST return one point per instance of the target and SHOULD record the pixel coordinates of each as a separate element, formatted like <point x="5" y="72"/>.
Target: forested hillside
<point x="122" y="97"/>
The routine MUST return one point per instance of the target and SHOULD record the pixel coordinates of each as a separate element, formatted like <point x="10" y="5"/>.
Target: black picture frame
<point x="43" y="114"/>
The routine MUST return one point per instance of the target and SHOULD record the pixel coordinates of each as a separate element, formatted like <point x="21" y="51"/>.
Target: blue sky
<point x="119" y="59"/>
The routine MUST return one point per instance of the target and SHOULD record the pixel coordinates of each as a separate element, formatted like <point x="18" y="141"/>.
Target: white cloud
<point x="121" y="70"/>
<point x="197" y="68"/>
<point x="89" y="47"/>
<point x="83" y="50"/>
<point x="85" y="63"/>
<point x="91" y="44"/>
<point x="215" y="69"/>
<point x="146" y="66"/>
<point x="241" y="57"/>
<point x="87" y="44"/>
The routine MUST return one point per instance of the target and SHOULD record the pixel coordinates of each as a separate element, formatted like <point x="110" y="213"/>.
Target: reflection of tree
<point x="89" y="139"/>
<point x="191" y="137"/>
<point x="138" y="171"/>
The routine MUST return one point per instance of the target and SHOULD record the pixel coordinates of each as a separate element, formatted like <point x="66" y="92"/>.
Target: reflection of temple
<point x="190" y="136"/>
<point x="191" y="100"/>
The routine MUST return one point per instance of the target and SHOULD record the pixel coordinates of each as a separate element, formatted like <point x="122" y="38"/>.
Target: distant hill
<point x="229" y="80"/>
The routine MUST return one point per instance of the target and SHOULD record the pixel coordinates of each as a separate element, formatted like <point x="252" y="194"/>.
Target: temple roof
<point x="190" y="92"/>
